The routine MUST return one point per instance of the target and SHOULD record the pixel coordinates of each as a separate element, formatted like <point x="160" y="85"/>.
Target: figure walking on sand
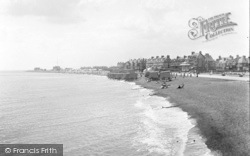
<point x="180" y="86"/>
<point x="197" y="73"/>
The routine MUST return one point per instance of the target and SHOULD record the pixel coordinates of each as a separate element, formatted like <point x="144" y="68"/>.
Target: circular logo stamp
<point x="7" y="150"/>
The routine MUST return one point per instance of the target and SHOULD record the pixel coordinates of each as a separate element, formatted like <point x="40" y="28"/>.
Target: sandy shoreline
<point x="220" y="107"/>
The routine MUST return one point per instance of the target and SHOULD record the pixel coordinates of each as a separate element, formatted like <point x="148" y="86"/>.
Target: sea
<point x="93" y="116"/>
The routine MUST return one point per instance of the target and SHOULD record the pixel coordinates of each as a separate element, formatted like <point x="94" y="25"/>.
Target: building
<point x="56" y="68"/>
<point x="37" y="69"/>
<point x="195" y="61"/>
<point x="175" y="63"/>
<point x="192" y="59"/>
<point x="69" y="70"/>
<point x="121" y="65"/>
<point x="242" y="64"/>
<point x="209" y="62"/>
<point x="101" y="67"/>
<point x="136" y="64"/>
<point x="185" y="66"/>
<point x="150" y="62"/>
<point x="199" y="62"/>
<point x="231" y="63"/>
<point x="167" y="63"/>
<point x="221" y="64"/>
<point x="159" y="63"/>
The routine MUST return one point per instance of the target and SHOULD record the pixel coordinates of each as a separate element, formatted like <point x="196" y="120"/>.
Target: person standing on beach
<point x="197" y="73"/>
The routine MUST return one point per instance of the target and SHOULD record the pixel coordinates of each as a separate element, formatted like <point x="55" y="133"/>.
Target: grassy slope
<point x="221" y="108"/>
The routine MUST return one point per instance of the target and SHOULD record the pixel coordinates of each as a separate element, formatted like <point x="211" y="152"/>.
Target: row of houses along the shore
<point x="100" y="70"/>
<point x="194" y="61"/>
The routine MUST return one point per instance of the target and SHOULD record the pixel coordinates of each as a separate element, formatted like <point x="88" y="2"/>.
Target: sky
<point x="76" y="33"/>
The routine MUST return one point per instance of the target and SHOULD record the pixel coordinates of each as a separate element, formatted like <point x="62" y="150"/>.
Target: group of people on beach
<point x="174" y="75"/>
<point x="165" y="85"/>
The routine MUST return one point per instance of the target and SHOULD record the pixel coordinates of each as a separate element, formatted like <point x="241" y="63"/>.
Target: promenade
<point x="226" y="77"/>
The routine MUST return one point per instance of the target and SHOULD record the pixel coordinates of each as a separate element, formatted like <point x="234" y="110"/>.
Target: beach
<point x="219" y="106"/>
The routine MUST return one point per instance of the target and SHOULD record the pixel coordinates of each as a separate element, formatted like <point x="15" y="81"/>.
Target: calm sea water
<point x="92" y="115"/>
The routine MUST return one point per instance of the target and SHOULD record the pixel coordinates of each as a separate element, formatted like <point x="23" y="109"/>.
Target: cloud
<point x="58" y="11"/>
<point x="158" y="4"/>
<point x="152" y="18"/>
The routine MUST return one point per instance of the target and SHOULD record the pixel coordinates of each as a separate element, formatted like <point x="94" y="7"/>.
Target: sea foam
<point x="164" y="131"/>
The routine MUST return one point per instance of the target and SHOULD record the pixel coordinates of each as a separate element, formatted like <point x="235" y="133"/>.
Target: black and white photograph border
<point x="124" y="78"/>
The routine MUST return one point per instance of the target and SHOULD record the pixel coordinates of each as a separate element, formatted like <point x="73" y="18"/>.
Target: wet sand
<point x="220" y="107"/>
